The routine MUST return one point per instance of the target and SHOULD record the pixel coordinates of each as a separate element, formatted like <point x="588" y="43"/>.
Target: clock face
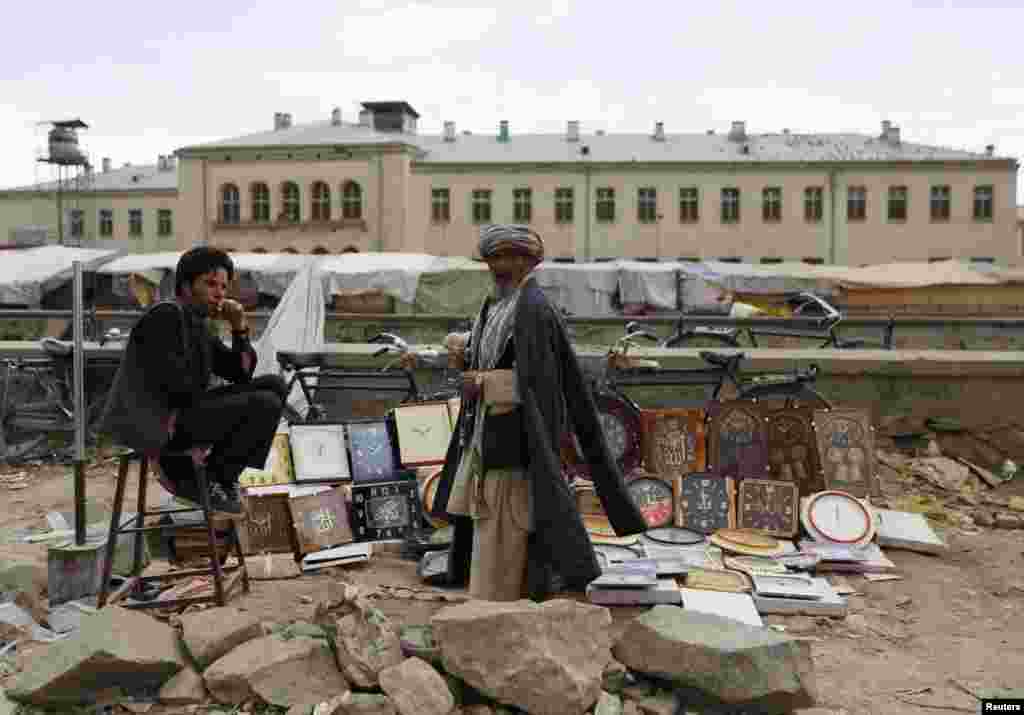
<point x="705" y="503"/>
<point x="768" y="506"/>
<point x="372" y="458"/>
<point x="654" y="499"/>
<point x="319" y="452"/>
<point x="614" y="434"/>
<point x="839" y="517"/>
<point x="620" y="423"/>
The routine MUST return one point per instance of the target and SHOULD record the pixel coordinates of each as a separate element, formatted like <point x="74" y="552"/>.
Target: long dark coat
<point x="554" y="395"/>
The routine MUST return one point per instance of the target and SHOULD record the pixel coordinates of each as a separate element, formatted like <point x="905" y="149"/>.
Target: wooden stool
<point x="116" y="528"/>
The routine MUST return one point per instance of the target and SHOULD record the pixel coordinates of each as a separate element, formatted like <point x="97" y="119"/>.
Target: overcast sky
<point x="152" y="77"/>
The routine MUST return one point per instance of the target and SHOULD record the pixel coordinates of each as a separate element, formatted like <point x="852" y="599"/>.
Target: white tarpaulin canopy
<point x="27" y="274"/>
<point x="581" y="289"/>
<point x="393" y="274"/>
<point x="648" y="283"/>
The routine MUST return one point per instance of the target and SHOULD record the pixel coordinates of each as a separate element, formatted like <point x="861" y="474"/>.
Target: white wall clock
<point x="319" y="453"/>
<point x="837" y="517"/>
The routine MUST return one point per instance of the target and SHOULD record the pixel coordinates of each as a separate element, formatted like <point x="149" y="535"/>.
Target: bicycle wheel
<point x="693" y="339"/>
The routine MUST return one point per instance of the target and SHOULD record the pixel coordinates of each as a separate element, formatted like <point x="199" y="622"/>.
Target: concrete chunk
<point x="211" y="634"/>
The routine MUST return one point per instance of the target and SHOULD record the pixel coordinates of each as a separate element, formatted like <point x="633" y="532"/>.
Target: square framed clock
<point x="318" y="451"/>
<point x="424" y="430"/>
<point x="769" y="506"/>
<point x="705" y="503"/>
<point x="372" y="451"/>
<point x="385" y="511"/>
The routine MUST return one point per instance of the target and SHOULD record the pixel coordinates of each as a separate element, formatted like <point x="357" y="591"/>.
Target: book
<point x="737" y="606"/>
<point x="908" y="531"/>
<point x="337" y="556"/>
<point x="664" y="591"/>
<point x="829" y="603"/>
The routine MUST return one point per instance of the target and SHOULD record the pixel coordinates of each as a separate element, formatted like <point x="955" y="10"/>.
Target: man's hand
<point x="231" y="311"/>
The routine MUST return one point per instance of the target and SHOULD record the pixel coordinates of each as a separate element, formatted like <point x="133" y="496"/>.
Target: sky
<point x="150" y="78"/>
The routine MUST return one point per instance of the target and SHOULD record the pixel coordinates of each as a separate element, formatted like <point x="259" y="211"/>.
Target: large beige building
<point x="377" y="184"/>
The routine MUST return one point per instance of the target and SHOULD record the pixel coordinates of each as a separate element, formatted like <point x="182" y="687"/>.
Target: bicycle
<point x="689" y="333"/>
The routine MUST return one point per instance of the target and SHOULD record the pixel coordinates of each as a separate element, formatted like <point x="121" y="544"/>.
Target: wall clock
<point x="653" y="497"/>
<point x="428" y="490"/>
<point x="373" y="456"/>
<point x="768" y="506"/>
<point x="674" y="535"/>
<point x="385" y="511"/>
<point x="424" y="430"/>
<point x="620" y="423"/>
<point x="705" y="503"/>
<point x="318" y="451"/>
<point x="838" y="517"/>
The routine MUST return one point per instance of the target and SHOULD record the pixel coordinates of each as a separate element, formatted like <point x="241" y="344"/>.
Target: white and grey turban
<point x="511" y="238"/>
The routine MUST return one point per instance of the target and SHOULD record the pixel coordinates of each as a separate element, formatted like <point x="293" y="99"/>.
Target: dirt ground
<point x="951" y="627"/>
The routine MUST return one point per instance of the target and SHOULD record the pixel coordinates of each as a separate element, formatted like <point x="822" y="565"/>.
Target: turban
<point x="511" y="238"/>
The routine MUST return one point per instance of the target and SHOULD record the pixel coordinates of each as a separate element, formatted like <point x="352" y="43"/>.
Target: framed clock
<point x="373" y="454"/>
<point x="838" y="517"/>
<point x="769" y="506"/>
<point x="705" y="503"/>
<point x="654" y="498"/>
<point x="318" y="451"/>
<point x="424" y="430"/>
<point x="385" y="511"/>
<point x="738" y="440"/>
<point x="620" y="423"/>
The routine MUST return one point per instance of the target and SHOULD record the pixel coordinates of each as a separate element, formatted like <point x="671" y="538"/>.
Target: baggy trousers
<point x="237" y="422"/>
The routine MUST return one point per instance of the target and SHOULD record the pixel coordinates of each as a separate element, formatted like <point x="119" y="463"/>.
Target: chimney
<point x="886" y="126"/>
<point x="106" y="164"/>
<point x="659" y="131"/>
<point x="366" y="118"/>
<point x="990" y="149"/>
<point x="572" y="131"/>
<point x="336" y="117"/>
<point x="892" y="135"/>
<point x="738" y="133"/>
<point x="449" y="131"/>
<point x="503" y="131"/>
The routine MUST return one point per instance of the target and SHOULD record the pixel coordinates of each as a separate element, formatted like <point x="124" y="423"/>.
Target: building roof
<point x="553" y="147"/>
<point x="127" y="178"/>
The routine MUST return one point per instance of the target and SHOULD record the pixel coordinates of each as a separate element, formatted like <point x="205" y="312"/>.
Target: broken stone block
<point x="608" y="704"/>
<point x="415" y="688"/>
<point x="360" y="704"/>
<point x="545" y="658"/>
<point x="112" y="648"/>
<point x="185" y="688"/>
<point x="1006" y="520"/>
<point x="281" y="672"/>
<point x="658" y="704"/>
<point x="479" y="709"/>
<point x="209" y="635"/>
<point x="366" y="642"/>
<point x="25" y="584"/>
<point x="732" y="662"/>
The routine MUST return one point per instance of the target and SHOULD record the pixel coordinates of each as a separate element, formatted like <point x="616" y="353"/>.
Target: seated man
<point x="161" y="401"/>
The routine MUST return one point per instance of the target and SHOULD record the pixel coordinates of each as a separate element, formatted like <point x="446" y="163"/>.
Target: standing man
<point x="160" y="401"/>
<point x="517" y="530"/>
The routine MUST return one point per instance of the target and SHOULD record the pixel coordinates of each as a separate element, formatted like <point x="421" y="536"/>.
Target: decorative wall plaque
<point x="846" y="445"/>
<point x="373" y="456"/>
<point x="268" y="524"/>
<point x="705" y="503"/>
<point x="673" y="440"/>
<point x="319" y="453"/>
<point x="385" y="511"/>
<point x="769" y="506"/>
<point x="738" y="439"/>
<point x="793" y="449"/>
<point x="321" y="520"/>
<point x="424" y="430"/>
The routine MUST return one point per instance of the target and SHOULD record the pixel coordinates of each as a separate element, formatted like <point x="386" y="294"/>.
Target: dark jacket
<point x="167" y="365"/>
<point x="554" y="394"/>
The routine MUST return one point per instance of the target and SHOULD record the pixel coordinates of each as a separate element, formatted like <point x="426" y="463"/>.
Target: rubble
<point x="365" y="643"/>
<point x="100" y="656"/>
<point x="359" y="704"/>
<point x="547" y="659"/>
<point x="727" y="660"/>
<point x="208" y="635"/>
<point x="416" y="688"/>
<point x="185" y="688"/>
<point x="608" y="704"/>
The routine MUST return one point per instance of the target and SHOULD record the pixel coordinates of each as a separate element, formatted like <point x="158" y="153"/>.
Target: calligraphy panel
<point x="673" y="441"/>
<point x="739" y="440"/>
<point x="321" y="521"/>
<point x="793" y="450"/>
<point x="846" y="446"/>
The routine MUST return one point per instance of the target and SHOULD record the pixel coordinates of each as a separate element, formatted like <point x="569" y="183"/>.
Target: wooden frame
<point x="424" y="430"/>
<point x="663" y="451"/>
<point x="371" y="450"/>
<point x="712" y="493"/>
<point x="762" y="500"/>
<point x="319" y="453"/>
<point x="385" y="511"/>
<point x="320" y="521"/>
<point x="846" y="447"/>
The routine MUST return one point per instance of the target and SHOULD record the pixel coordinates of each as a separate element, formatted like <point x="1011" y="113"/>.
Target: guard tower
<point x="74" y="174"/>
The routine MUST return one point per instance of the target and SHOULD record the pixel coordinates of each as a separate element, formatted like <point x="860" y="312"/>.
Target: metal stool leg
<point x="115" y="524"/>
<point x="140" y="519"/>
<point x="240" y="555"/>
<point x="218" y="574"/>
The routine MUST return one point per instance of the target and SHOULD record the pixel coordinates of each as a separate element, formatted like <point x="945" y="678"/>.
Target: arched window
<point x="351" y="200"/>
<point x="290" y="202"/>
<point x="259" y="249"/>
<point x="260" y="194"/>
<point x="350" y="249"/>
<point x="230" y="207"/>
<point x="320" y="251"/>
<point x="289" y="250"/>
<point x="321" y="201"/>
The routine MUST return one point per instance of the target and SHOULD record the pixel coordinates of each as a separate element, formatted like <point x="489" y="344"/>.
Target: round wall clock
<point x="838" y="517"/>
<point x="620" y="423"/>
<point x="674" y="535"/>
<point x="654" y="499"/>
<point x="428" y="490"/>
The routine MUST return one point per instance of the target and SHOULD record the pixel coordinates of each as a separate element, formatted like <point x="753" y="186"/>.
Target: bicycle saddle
<point x="720" y="360"/>
<point x="299" y="361"/>
<point x="57" y="348"/>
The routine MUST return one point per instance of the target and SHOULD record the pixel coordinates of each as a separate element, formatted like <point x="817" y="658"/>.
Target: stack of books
<point x="633" y="583"/>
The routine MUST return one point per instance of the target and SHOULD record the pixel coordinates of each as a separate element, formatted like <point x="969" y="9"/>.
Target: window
<point x="440" y="205"/>
<point x="106" y="222"/>
<point x="351" y="201"/>
<point x="290" y="202"/>
<point x="164" y="227"/>
<point x="481" y="205"/>
<point x="320" y="251"/>
<point x="606" y="205"/>
<point x="813" y="204"/>
<point x="321" y="201"/>
<point x="77" y="222"/>
<point x="771" y="204"/>
<point x="897" y="203"/>
<point x="647" y="204"/>
<point x="522" y="205"/>
<point x="941" y="199"/>
<point x="259" y="249"/>
<point x="689" y="205"/>
<point x="260" y="202"/>
<point x="856" y="203"/>
<point x="229" y="205"/>
<point x="730" y="205"/>
<point x="564" y="205"/>
<point x="135" y="222"/>
<point x="982" y="203"/>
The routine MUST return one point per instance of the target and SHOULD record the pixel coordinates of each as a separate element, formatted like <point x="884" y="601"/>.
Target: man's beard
<point x="504" y="287"/>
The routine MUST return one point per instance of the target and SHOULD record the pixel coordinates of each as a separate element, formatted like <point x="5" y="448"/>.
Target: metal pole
<point x="60" y="209"/>
<point x="78" y="385"/>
